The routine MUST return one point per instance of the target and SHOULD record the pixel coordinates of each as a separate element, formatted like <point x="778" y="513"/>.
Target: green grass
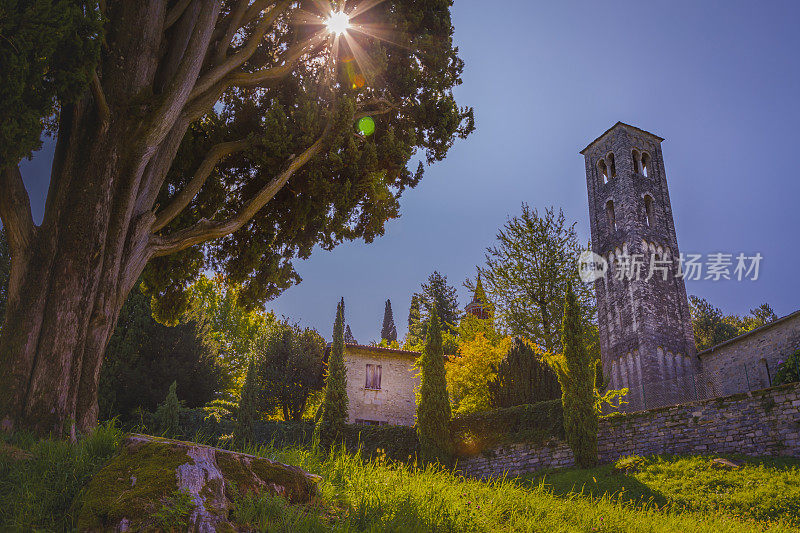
<point x="663" y="494"/>
<point x="765" y="490"/>
<point x="40" y="479"/>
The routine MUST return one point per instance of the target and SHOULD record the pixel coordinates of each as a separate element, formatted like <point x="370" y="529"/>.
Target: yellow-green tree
<point x="469" y="373"/>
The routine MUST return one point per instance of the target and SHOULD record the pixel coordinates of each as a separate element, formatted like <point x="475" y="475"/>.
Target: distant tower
<point x="477" y="306"/>
<point x="646" y="338"/>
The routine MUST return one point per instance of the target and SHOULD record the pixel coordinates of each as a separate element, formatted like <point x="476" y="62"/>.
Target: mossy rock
<point x="157" y="484"/>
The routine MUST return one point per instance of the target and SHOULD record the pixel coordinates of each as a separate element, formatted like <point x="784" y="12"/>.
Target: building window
<point x="612" y="219"/>
<point x="612" y="166"/>
<point x="373" y="377"/>
<point x="636" y="159"/>
<point x="601" y="165"/>
<point x="645" y="166"/>
<point x="648" y="210"/>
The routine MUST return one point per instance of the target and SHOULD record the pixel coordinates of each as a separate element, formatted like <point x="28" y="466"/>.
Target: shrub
<point x="167" y="416"/>
<point x="248" y="408"/>
<point x="523" y="377"/>
<point x="477" y="432"/>
<point x="399" y="443"/>
<point x="789" y="370"/>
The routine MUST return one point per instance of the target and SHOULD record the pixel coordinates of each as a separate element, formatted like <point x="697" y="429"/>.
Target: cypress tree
<point x="330" y="425"/>
<point x="168" y="413"/>
<point x="523" y="378"/>
<point x="577" y="373"/>
<point x="433" y="406"/>
<point x="388" y="330"/>
<point x="348" y="336"/>
<point x="248" y="406"/>
<point x="414" y="320"/>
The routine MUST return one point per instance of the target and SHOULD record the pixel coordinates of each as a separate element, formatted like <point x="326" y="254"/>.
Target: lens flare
<point x="366" y="126"/>
<point x="338" y="23"/>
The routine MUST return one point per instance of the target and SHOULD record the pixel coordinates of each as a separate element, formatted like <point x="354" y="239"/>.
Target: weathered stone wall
<point x="395" y="402"/>
<point x="749" y="362"/>
<point x="764" y="422"/>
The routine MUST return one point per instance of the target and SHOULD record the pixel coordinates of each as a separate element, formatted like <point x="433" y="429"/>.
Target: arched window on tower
<point x="612" y="167"/>
<point x="603" y="168"/>
<point x="612" y="220"/>
<point x="648" y="210"/>
<point x="636" y="161"/>
<point x="646" y="161"/>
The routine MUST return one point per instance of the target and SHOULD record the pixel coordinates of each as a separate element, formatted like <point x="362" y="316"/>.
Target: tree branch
<point x="238" y="59"/>
<point x="235" y="15"/>
<point x="250" y="79"/>
<point x="205" y="229"/>
<point x="182" y="199"/>
<point x="100" y="99"/>
<point x="179" y="88"/>
<point x="15" y="210"/>
<point x="175" y="13"/>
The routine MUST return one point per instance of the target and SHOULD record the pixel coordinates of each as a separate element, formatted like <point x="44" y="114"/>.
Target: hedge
<point x="534" y="423"/>
<point x="472" y="434"/>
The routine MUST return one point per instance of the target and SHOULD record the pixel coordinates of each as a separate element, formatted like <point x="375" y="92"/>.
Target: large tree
<point x="196" y="134"/>
<point x="526" y="277"/>
<point x="290" y="364"/>
<point x="712" y="326"/>
<point x="435" y="292"/>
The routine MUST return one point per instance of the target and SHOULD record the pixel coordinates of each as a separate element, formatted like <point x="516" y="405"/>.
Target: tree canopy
<point x="388" y="329"/>
<point x="526" y="276"/>
<point x="712" y="326"/>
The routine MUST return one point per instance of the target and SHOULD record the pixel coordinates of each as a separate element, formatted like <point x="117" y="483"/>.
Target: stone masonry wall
<point x="762" y="423"/>
<point x="395" y="402"/>
<point x="749" y="362"/>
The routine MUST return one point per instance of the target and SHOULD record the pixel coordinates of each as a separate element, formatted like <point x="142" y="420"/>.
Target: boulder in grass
<point x="724" y="464"/>
<point x="161" y="484"/>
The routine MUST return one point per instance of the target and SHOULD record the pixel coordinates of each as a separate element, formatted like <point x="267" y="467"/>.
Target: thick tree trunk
<point x="77" y="270"/>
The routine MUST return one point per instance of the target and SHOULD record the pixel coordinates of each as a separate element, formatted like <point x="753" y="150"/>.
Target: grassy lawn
<point x="764" y="489"/>
<point x="40" y="480"/>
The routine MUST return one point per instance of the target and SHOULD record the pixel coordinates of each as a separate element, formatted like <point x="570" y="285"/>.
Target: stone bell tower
<point x="646" y="338"/>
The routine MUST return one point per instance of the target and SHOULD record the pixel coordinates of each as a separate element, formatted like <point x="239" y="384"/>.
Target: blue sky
<point x="718" y="80"/>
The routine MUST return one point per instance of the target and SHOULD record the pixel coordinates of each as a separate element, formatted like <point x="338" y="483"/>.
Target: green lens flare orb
<point x="366" y="126"/>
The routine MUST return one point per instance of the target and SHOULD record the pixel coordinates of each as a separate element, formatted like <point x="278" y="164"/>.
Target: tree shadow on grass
<point x="598" y="482"/>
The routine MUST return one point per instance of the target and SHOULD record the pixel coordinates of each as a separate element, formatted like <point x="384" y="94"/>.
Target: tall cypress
<point x="577" y="373"/>
<point x="388" y="330"/>
<point x="414" y="320"/>
<point x="433" y="406"/>
<point x="248" y="406"/>
<point x="330" y="425"/>
<point x="523" y="377"/>
<point x="348" y="336"/>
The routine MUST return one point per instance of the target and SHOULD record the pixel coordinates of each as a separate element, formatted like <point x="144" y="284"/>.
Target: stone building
<point x="646" y="337"/>
<point x="381" y="385"/>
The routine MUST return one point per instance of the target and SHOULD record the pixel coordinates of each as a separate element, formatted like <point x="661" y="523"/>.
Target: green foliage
<point x="5" y="272"/>
<point x="789" y="370"/>
<point x="40" y="479"/>
<point x="290" y="367"/>
<point x="526" y="277"/>
<point x="167" y="415"/>
<point x="248" y="405"/>
<point x="48" y="52"/>
<point x="436" y="292"/>
<point x="231" y="327"/>
<point x="143" y="357"/>
<point x="348" y="336"/>
<point x="414" y="335"/>
<point x="388" y="329"/>
<point x="433" y="405"/>
<point x="523" y="377"/>
<point x="175" y="512"/>
<point x="535" y="423"/>
<point x="711" y="326"/>
<point x="333" y="416"/>
<point x="576" y="373"/>
<point x="353" y="186"/>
